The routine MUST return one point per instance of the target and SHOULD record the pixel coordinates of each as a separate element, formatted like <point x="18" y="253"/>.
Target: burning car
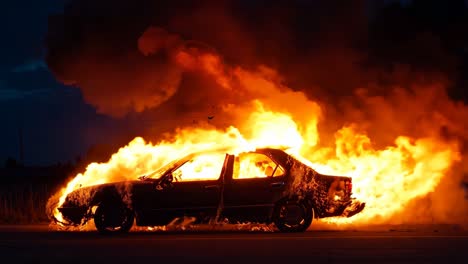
<point x="264" y="186"/>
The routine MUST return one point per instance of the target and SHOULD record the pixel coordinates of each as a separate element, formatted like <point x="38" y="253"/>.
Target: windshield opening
<point x="180" y="162"/>
<point x="162" y="170"/>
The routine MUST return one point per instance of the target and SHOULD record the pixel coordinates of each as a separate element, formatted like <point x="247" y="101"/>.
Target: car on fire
<point x="262" y="186"/>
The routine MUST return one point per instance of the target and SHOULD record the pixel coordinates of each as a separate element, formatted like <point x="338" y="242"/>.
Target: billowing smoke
<point x="201" y="63"/>
<point x="121" y="53"/>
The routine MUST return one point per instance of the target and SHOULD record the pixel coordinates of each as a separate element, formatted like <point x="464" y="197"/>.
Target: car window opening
<point x="202" y="167"/>
<point x="255" y="165"/>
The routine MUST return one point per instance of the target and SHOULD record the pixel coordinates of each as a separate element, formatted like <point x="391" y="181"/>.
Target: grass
<point x="24" y="203"/>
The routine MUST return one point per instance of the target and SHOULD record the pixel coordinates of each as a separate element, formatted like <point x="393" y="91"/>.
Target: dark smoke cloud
<point x="121" y="53"/>
<point x="94" y="45"/>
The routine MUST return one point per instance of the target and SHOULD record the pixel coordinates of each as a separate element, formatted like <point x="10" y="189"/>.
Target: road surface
<point x="38" y="244"/>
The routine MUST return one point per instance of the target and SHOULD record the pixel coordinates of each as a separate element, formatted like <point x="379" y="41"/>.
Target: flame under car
<point x="264" y="186"/>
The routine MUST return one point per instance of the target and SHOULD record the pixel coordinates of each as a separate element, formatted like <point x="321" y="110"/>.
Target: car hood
<point x="86" y="196"/>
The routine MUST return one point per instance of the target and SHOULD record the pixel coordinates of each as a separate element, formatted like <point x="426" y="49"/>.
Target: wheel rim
<point x="292" y="215"/>
<point x="112" y="218"/>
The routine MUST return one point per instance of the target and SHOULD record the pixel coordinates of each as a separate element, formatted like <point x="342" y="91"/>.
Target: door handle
<point x="277" y="184"/>
<point x="211" y="187"/>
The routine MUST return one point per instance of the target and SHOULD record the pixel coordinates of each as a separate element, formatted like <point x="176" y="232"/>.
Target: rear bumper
<point x="73" y="214"/>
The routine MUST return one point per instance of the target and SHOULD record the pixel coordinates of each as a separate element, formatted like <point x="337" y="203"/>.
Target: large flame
<point x="272" y="115"/>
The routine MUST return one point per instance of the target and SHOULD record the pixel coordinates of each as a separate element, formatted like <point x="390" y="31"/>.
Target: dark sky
<point x="56" y="123"/>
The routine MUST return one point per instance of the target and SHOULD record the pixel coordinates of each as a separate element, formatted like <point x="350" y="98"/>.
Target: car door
<point x="254" y="185"/>
<point x="195" y="189"/>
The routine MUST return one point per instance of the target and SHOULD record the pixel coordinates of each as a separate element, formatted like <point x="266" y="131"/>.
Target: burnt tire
<point x="113" y="218"/>
<point x="293" y="215"/>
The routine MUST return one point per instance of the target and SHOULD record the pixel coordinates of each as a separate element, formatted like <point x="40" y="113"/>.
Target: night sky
<point x="57" y="125"/>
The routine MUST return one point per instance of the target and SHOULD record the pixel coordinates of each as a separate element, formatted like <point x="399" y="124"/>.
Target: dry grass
<point x="23" y="203"/>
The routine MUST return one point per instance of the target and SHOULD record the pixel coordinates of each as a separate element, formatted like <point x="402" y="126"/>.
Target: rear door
<point x="255" y="184"/>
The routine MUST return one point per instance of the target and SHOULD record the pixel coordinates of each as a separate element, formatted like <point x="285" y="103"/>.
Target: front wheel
<point x="293" y="216"/>
<point x="113" y="219"/>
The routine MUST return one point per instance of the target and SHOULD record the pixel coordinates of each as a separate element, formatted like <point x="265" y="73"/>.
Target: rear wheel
<point x="293" y="216"/>
<point x="113" y="218"/>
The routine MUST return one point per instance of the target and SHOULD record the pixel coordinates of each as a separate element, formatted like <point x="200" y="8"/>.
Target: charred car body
<point x="264" y="186"/>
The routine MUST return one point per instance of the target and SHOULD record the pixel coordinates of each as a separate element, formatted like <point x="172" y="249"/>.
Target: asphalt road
<point x="37" y="244"/>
